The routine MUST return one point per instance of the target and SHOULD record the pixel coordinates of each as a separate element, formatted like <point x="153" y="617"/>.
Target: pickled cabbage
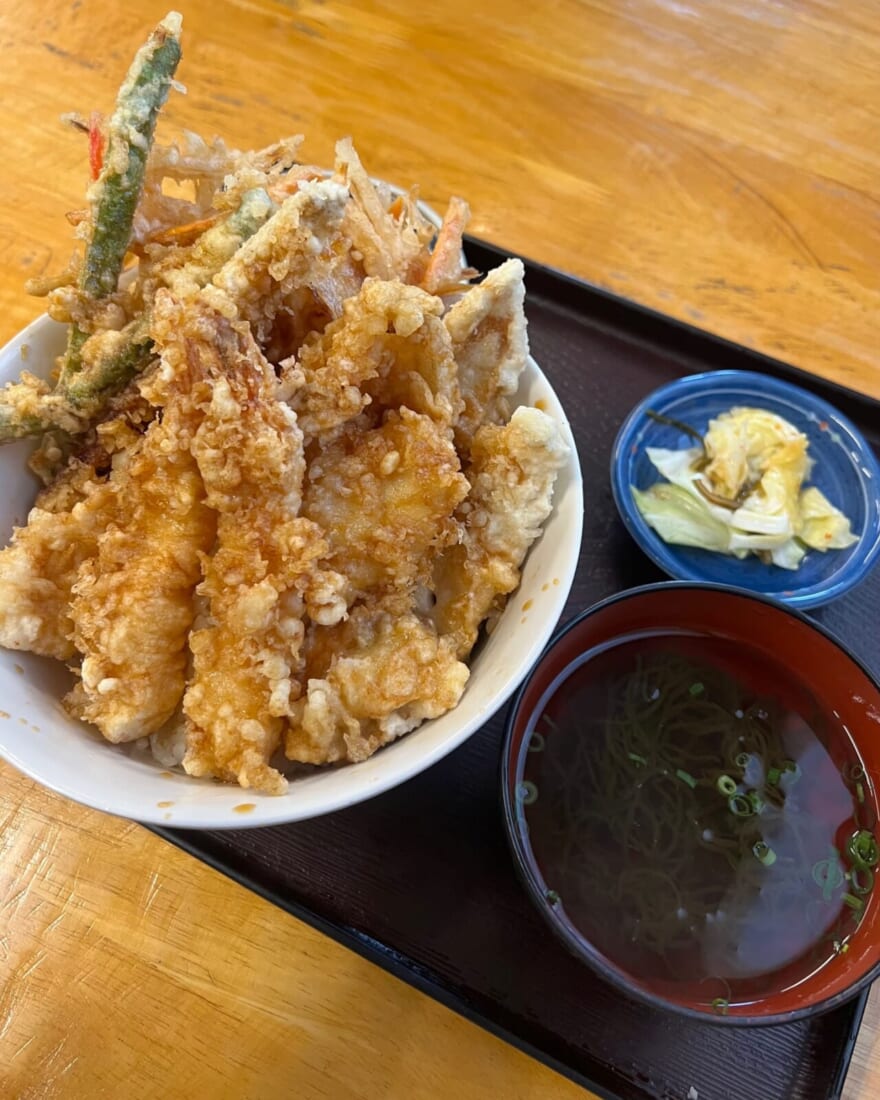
<point x="742" y="493"/>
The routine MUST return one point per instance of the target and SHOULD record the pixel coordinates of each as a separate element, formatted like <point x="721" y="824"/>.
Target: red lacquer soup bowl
<point x="790" y="923"/>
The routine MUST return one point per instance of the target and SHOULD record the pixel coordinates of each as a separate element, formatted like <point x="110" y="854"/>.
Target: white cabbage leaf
<point x="759" y="460"/>
<point x="680" y="519"/>
<point x="823" y="527"/>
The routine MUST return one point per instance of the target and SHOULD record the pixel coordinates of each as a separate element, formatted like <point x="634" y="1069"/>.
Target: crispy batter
<point x="445" y="273"/>
<point x="30" y="399"/>
<point x="490" y="345"/>
<point x="296" y="399"/>
<point x="387" y="675"/>
<point x="389" y="348"/>
<point x="263" y="575"/>
<point x="189" y="160"/>
<point x="299" y="246"/>
<point x="59" y="455"/>
<point x="389" y="248"/>
<point x="271" y="168"/>
<point x="512" y="473"/>
<point x="133" y="601"/>
<point x="39" y="567"/>
<point x="385" y="498"/>
<point x="74" y="484"/>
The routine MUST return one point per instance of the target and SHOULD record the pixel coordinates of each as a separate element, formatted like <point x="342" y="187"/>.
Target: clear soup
<point x="698" y="817"/>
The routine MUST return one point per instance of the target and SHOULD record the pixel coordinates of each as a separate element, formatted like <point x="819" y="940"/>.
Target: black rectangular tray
<point x="420" y="880"/>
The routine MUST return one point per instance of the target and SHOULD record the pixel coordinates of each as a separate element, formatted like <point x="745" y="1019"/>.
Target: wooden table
<point x="716" y="161"/>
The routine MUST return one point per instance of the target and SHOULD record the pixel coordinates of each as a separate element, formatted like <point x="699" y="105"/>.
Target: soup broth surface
<point x="692" y="810"/>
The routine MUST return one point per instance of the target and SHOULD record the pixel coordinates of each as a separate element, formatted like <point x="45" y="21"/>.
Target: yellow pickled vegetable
<point x="743" y="493"/>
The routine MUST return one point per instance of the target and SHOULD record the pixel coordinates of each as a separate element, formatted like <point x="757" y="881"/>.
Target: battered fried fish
<point x="389" y="348"/>
<point x="490" y="345"/>
<point x="39" y="567"/>
<point x="264" y="573"/>
<point x="512" y="473"/>
<point x="384" y="498"/>
<point x="132" y="604"/>
<point x="301" y="245"/>
<point x="386" y="676"/>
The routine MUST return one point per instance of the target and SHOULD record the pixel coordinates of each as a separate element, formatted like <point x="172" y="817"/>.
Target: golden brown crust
<point x="132" y="605"/>
<point x="247" y="544"/>
<point x="264" y="570"/>
<point x="385" y="499"/>
<point x="387" y="674"/>
<point x="512" y="473"/>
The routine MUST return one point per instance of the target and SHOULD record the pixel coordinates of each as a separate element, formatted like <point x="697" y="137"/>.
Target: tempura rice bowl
<point x="40" y="739"/>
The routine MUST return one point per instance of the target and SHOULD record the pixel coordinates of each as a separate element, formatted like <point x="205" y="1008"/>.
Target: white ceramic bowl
<point x="40" y="739"/>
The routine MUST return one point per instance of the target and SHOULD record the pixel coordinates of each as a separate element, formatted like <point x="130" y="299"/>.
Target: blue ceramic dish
<point x="845" y="469"/>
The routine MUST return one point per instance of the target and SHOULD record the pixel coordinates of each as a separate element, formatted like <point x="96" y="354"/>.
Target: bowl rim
<point x="667" y="557"/>
<point x="523" y="856"/>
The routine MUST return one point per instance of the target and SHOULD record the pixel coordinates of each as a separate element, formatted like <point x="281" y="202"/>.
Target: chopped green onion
<point x="756" y="801"/>
<point x="686" y="777"/>
<point x="789" y="767"/>
<point x="840" y="948"/>
<point x="773" y="776"/>
<point x="536" y="742"/>
<point x="742" y="759"/>
<point x="764" y="853"/>
<point x="862" y="849"/>
<point x="741" y="806"/>
<point x="721" y="1005"/>
<point x="860" y="792"/>
<point x="862" y="880"/>
<point x="552" y="897"/>
<point x="726" y="785"/>
<point x="853" y="772"/>
<point x="828" y="874"/>
<point x="696" y="689"/>
<point x="856" y="904"/>
<point x="636" y="758"/>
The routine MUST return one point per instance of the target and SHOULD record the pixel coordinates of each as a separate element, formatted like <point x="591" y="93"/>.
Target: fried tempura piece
<point x="391" y="348"/>
<point x="445" y="273"/>
<point x="74" y="484"/>
<point x="512" y="473"/>
<point x="388" y="674"/>
<point x="132" y="602"/>
<point x="263" y="576"/>
<point x="301" y="245"/>
<point x="389" y="248"/>
<point x="271" y="167"/>
<point x="188" y="159"/>
<point x="29" y="407"/>
<point x="384" y="498"/>
<point x="40" y="565"/>
<point x="245" y="663"/>
<point x="214" y="247"/>
<point x="490" y="345"/>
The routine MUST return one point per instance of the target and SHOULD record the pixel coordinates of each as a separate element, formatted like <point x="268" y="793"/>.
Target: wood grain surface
<point x="718" y="162"/>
